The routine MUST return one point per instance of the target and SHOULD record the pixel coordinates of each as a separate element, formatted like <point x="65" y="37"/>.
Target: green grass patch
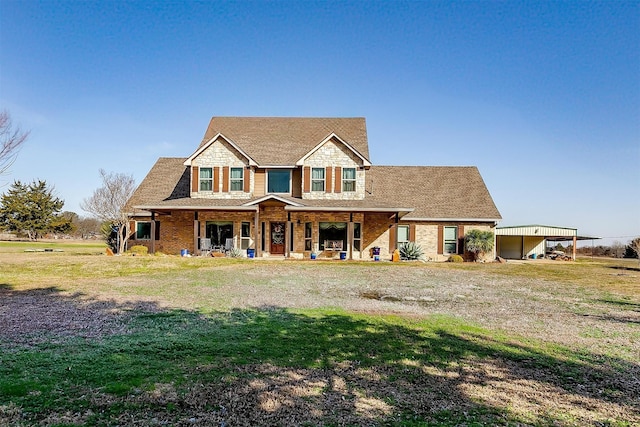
<point x="184" y="349"/>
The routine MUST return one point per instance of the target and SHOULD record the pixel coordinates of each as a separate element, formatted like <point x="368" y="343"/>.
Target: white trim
<point x="300" y="162"/>
<point x="201" y="208"/>
<point x="210" y="142"/>
<point x="272" y="196"/>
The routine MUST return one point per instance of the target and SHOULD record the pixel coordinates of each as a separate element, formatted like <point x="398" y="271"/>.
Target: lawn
<point x="87" y="339"/>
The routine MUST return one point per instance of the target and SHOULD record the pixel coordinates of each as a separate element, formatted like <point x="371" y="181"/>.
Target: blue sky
<point x="544" y="97"/>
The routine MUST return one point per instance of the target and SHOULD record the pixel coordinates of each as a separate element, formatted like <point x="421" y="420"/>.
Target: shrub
<point x="139" y="250"/>
<point x="410" y="251"/>
<point x="455" y="258"/>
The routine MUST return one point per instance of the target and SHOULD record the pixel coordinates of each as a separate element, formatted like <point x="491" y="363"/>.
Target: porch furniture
<point x="333" y="245"/>
<point x="205" y="246"/>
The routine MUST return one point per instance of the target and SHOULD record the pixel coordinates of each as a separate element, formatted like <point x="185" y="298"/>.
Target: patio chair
<point x="205" y="247"/>
<point x="228" y="245"/>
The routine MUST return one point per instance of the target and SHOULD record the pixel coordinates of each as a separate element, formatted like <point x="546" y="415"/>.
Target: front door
<point x="277" y="238"/>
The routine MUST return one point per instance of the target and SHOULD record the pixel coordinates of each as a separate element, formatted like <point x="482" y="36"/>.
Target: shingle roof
<point x="274" y="141"/>
<point x="433" y="192"/>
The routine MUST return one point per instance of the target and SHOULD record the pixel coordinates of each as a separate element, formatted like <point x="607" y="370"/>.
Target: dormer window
<point x="206" y="179"/>
<point x="278" y="181"/>
<point x="317" y="179"/>
<point x="237" y="179"/>
<point x="348" y="179"/>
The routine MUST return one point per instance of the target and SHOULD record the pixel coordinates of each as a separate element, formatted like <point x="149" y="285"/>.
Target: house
<point x="295" y="186"/>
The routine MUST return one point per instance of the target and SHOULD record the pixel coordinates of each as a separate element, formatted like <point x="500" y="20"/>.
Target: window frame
<point x="245" y="238"/>
<point x="208" y="180"/>
<point x="357" y="236"/>
<point x="138" y="224"/>
<point x="308" y="236"/>
<point x="350" y="181"/>
<point x="321" y="181"/>
<point x="268" y="181"/>
<point x="450" y="242"/>
<point x="239" y="182"/>
<point x="399" y="242"/>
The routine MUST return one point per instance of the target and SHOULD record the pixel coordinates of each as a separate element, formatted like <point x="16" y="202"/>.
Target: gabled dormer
<point x="220" y="169"/>
<point x="333" y="170"/>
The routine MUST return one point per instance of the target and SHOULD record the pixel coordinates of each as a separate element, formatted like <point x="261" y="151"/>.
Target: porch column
<point x="196" y="231"/>
<point x="256" y="232"/>
<point x="153" y="233"/>
<point x="287" y="236"/>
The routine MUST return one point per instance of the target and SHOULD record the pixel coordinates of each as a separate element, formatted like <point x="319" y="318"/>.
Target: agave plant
<point x="234" y="253"/>
<point x="410" y="251"/>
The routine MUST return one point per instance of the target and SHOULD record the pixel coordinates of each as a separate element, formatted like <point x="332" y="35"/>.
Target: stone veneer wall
<point x="220" y="154"/>
<point x="328" y="156"/>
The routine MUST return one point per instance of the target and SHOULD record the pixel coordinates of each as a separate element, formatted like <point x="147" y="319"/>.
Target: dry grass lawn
<point x="533" y="343"/>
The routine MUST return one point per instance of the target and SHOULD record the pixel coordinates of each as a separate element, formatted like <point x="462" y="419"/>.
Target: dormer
<point x="220" y="169"/>
<point x="333" y="170"/>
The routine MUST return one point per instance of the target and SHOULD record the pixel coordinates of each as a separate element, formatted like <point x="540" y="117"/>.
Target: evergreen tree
<point x="30" y="209"/>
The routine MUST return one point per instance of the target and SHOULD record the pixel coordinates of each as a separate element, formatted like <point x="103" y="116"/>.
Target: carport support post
<point x="575" y="240"/>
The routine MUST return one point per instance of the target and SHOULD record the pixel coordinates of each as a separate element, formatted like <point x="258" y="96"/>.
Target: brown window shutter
<point x="194" y="179"/>
<point x="328" y="182"/>
<point x="216" y="179"/>
<point x="225" y="179"/>
<point x="247" y="180"/>
<point x="440" y="239"/>
<point x="307" y="179"/>
<point x="392" y="238"/>
<point x="412" y="233"/>
<point x="461" y="239"/>
<point x="338" y="180"/>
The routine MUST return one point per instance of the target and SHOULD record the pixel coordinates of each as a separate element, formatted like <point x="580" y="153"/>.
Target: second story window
<point x="237" y="179"/>
<point x="206" y="179"/>
<point x="317" y="179"/>
<point x="349" y="179"/>
<point x="279" y="181"/>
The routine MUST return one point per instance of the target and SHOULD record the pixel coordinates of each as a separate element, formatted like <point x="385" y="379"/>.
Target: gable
<point x="217" y="151"/>
<point x="333" y="151"/>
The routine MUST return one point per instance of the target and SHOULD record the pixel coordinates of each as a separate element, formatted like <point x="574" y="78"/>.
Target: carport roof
<point x="548" y="232"/>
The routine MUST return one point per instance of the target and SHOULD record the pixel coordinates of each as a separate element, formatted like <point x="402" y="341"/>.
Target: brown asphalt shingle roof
<point x="433" y="192"/>
<point x="275" y="141"/>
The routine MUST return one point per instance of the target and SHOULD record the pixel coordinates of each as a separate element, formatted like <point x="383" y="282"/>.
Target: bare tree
<point x="108" y="203"/>
<point x="10" y="141"/>
<point x="635" y="245"/>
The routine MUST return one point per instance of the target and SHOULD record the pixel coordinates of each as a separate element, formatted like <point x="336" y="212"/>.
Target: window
<point x="237" y="181"/>
<point x="317" y="179"/>
<point x="219" y="232"/>
<point x="450" y="240"/>
<point x="206" y="179"/>
<point x="308" y="233"/>
<point x="333" y="236"/>
<point x="349" y="179"/>
<point x="245" y="235"/>
<point x="143" y="230"/>
<point x="403" y="235"/>
<point x="357" y="236"/>
<point x="279" y="181"/>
